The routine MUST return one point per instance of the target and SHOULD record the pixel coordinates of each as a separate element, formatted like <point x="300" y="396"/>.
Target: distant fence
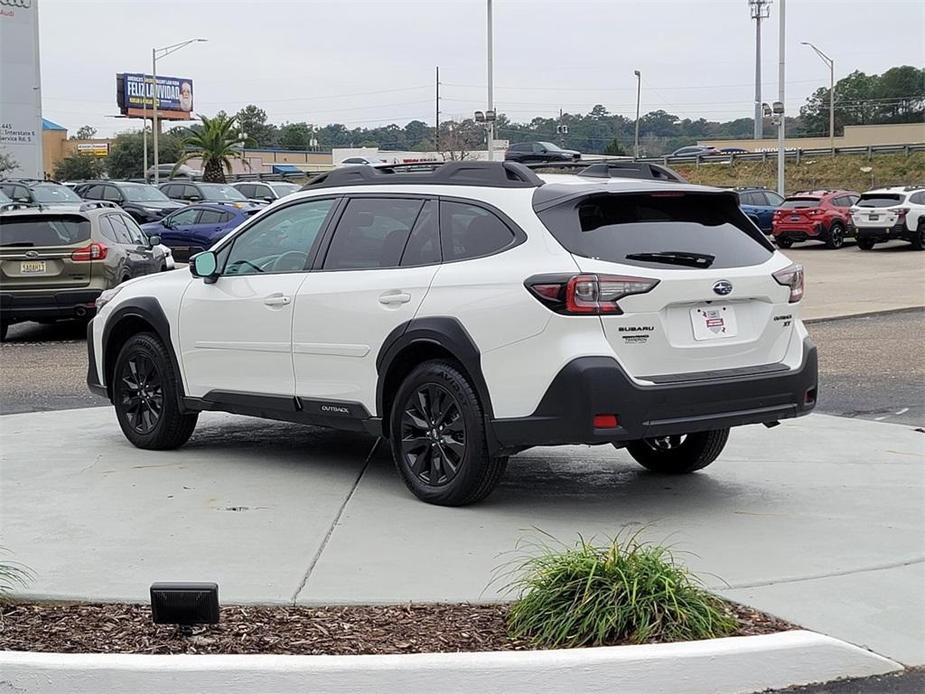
<point x="795" y="153"/>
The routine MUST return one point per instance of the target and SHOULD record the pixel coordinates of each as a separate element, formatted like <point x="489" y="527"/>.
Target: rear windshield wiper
<point x="21" y="244"/>
<point x="675" y="258"/>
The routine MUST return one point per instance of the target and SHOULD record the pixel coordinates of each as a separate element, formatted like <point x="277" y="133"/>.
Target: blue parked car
<point x="759" y="204"/>
<point x="196" y="227"/>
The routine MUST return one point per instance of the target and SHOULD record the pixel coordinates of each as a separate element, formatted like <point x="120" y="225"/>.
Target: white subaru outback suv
<point x="468" y="312"/>
<point x="890" y="213"/>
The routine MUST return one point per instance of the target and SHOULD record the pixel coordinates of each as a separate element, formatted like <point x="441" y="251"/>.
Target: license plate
<point x="714" y="322"/>
<point x="32" y="267"/>
<point x="874" y="217"/>
<point x="794" y="218"/>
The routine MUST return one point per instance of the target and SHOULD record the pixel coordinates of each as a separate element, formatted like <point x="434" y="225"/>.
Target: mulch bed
<point x="124" y="628"/>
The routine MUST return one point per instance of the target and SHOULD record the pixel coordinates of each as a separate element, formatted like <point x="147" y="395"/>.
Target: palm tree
<point x="217" y="141"/>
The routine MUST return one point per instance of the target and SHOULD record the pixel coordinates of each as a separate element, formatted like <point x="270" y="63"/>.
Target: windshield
<point x="138" y="192"/>
<point x="799" y="203"/>
<point x="44" y="230"/>
<point x="219" y="191"/>
<point x="879" y="200"/>
<point x="671" y="229"/>
<point x="283" y="189"/>
<point x="3" y="198"/>
<point x="54" y="193"/>
<point x="551" y="147"/>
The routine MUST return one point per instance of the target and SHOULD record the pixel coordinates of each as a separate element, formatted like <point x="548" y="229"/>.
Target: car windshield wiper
<point x="675" y="258"/>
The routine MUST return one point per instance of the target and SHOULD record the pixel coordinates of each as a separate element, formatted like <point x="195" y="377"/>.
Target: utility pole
<point x="831" y="64"/>
<point x="437" y="117"/>
<point x="760" y="9"/>
<point x="781" y="154"/>
<point x="638" y="96"/>
<point x="144" y="126"/>
<point x="491" y="98"/>
<point x="561" y="132"/>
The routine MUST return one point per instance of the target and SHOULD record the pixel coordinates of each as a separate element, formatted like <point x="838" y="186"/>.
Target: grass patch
<point x="621" y="592"/>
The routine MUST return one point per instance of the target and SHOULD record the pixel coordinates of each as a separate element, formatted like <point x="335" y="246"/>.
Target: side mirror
<point x="268" y="198"/>
<point x="204" y="265"/>
<point x="194" y="198"/>
<point x="154" y="240"/>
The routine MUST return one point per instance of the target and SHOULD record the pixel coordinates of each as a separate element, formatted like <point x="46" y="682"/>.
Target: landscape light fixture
<point x="184" y="604"/>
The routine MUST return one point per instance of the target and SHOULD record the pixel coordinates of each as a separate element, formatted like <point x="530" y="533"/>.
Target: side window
<point x="423" y="247"/>
<point x="537" y="148"/>
<point x="260" y="191"/>
<point x="170" y="191"/>
<point x="93" y="192"/>
<point x="22" y="193"/>
<point x="107" y="230"/>
<point x="917" y="199"/>
<point x="750" y="198"/>
<point x="134" y="231"/>
<point x="184" y="217"/>
<point x="190" y="192"/>
<point x="467" y="231"/>
<point x="246" y="189"/>
<point x="120" y="230"/>
<point x="372" y="233"/>
<point x="279" y="242"/>
<point x="226" y="217"/>
<point x="112" y="194"/>
<point x="773" y="198"/>
<point x="210" y="217"/>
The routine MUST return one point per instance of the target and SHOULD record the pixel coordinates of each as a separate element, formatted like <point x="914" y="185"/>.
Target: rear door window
<point x="210" y="217"/>
<point x="665" y="230"/>
<point x="112" y="194"/>
<point x="121" y="230"/>
<point x="423" y="247"/>
<point x="94" y="192"/>
<point x="469" y="231"/>
<point x="372" y="233"/>
<point x="45" y="230"/>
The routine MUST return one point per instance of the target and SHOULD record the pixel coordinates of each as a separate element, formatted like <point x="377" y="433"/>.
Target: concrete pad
<point x="259" y="506"/>
<point x="719" y="666"/>
<point x="246" y="503"/>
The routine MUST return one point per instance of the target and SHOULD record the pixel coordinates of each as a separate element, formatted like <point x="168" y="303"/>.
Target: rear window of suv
<point x="799" y="203"/>
<point x="880" y="200"/>
<point x="46" y="230"/>
<point x="672" y="229"/>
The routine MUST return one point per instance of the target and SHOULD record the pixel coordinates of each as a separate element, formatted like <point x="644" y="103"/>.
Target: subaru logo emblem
<point x="32" y="254"/>
<point x="723" y="287"/>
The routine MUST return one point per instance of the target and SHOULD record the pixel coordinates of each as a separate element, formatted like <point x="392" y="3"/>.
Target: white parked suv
<point x="890" y="213"/>
<point x="468" y="312"/>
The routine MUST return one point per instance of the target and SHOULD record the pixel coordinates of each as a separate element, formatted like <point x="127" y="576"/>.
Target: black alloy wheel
<point x="140" y="393"/>
<point x="433" y="435"/>
<point x="836" y="236"/>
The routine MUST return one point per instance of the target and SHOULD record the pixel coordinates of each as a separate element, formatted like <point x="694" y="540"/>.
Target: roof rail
<point x="97" y="205"/>
<point x="7" y="207"/>
<point x="492" y="174"/>
<point x="619" y="168"/>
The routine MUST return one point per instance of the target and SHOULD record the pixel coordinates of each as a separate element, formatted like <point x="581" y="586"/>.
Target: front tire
<point x="437" y="432"/>
<point x="836" y="238"/>
<point x="679" y="455"/>
<point x="3" y="328"/>
<point x="146" y="395"/>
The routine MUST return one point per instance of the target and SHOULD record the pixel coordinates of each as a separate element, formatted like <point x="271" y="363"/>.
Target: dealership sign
<point x="20" y="87"/>
<point x="93" y="149"/>
<point x="137" y="93"/>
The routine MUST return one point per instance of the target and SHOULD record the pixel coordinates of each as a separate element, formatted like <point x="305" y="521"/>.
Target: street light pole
<point x="638" y="96"/>
<point x="156" y="102"/>
<point x="781" y="185"/>
<point x="831" y="63"/>
<point x="144" y="127"/>
<point x="491" y="97"/>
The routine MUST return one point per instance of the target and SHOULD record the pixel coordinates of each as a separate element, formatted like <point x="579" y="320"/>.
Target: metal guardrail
<point x="797" y="153"/>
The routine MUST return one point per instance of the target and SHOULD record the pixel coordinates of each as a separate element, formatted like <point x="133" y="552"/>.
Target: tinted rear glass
<point x="799" y="203"/>
<point x="47" y="230"/>
<point x="219" y="191"/>
<point x="613" y="226"/>
<point x="880" y="200"/>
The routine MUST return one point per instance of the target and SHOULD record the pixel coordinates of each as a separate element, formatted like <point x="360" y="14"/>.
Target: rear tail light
<point x="586" y="295"/>
<point x="902" y="212"/>
<point x="606" y="421"/>
<point x="95" y="251"/>
<point x="791" y="276"/>
<point x="815" y="212"/>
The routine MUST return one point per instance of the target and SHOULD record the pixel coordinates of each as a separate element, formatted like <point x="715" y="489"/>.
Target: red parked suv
<point x="819" y="215"/>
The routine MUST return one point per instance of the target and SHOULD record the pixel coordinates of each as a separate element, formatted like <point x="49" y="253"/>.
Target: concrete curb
<point x="864" y="314"/>
<point x="719" y="666"/>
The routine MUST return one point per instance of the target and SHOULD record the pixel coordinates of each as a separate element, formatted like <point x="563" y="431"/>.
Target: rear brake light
<point x="791" y="276"/>
<point x="95" y="251"/>
<point x="902" y="212"/>
<point x="815" y="211"/>
<point x="606" y="421"/>
<point x="587" y="295"/>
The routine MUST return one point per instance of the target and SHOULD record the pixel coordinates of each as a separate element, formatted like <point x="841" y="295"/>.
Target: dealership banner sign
<point x="136" y="93"/>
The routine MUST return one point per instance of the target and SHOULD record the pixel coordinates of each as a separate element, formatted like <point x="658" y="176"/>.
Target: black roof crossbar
<point x="491" y="174"/>
<point x="616" y="169"/>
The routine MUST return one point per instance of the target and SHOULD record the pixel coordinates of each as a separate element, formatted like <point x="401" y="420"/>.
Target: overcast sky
<point x="366" y="63"/>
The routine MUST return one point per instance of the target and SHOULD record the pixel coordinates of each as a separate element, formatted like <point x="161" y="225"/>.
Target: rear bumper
<point x="801" y="232"/>
<point x="897" y="231"/>
<point x="62" y="303"/>
<point x="590" y="386"/>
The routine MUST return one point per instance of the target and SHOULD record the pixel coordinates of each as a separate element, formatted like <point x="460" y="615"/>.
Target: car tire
<point x="3" y="328"/>
<point x="865" y="244"/>
<point x="438" y="438"/>
<point x="836" y="236"/>
<point x="146" y="395"/>
<point x="679" y="455"/>
<point x="918" y="239"/>
<point x="783" y="243"/>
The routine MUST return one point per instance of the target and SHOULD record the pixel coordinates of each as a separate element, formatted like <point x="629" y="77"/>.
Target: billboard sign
<point x="20" y="87"/>
<point x="136" y="92"/>
<point x="93" y="149"/>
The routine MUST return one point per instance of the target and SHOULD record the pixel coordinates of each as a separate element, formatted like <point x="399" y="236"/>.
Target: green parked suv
<point x="55" y="261"/>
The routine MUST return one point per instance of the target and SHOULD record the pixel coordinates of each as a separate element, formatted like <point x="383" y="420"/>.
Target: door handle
<point x="277" y="300"/>
<point x="397" y="298"/>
